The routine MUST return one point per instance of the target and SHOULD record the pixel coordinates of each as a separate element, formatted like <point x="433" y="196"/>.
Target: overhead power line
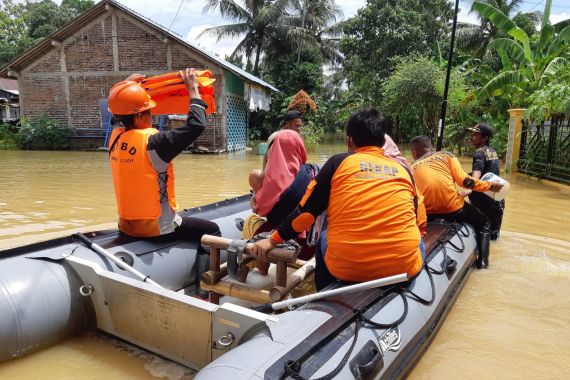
<point x="176" y="15"/>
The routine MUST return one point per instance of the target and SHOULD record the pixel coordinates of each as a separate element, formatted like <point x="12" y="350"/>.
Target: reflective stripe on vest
<point x="144" y="184"/>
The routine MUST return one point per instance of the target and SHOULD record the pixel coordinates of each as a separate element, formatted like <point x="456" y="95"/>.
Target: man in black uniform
<point x="485" y="160"/>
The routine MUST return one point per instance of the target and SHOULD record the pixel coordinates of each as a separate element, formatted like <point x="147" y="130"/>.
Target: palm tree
<point x="255" y="20"/>
<point x="279" y="26"/>
<point x="314" y="24"/>
<point x="476" y="38"/>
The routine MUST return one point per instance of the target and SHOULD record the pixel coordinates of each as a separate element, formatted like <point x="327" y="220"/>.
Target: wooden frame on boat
<point x="216" y="280"/>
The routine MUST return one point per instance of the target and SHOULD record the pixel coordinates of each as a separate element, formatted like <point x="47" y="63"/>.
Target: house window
<point x="14" y="112"/>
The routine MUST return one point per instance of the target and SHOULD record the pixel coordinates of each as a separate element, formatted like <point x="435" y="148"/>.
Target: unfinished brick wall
<point x="51" y="63"/>
<point x="85" y="93"/>
<point x="139" y="50"/>
<point x="71" y="92"/>
<point x="91" y="49"/>
<point x="212" y="137"/>
<point x="44" y="97"/>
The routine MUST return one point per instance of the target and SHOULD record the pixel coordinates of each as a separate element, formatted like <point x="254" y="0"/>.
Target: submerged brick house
<point x="68" y="75"/>
<point x="9" y="103"/>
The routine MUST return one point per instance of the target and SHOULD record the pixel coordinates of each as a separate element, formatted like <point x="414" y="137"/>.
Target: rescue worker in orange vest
<point x="436" y="175"/>
<point x="371" y="205"/>
<point x="143" y="175"/>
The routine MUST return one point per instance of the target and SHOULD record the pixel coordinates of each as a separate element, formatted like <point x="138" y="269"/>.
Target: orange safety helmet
<point x="128" y="97"/>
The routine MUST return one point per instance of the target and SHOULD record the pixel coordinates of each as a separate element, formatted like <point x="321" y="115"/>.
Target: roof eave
<point x="10" y="69"/>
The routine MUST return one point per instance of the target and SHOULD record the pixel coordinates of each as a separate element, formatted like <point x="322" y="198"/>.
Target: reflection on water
<point x="510" y="321"/>
<point x="50" y="191"/>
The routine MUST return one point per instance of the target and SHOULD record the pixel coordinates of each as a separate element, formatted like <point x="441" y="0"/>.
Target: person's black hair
<point x="366" y="128"/>
<point x="421" y="142"/>
<point x="128" y="121"/>
<point x="292" y="115"/>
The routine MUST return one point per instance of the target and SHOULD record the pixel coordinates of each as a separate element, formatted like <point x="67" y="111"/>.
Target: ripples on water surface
<point x="511" y="321"/>
<point x="52" y="191"/>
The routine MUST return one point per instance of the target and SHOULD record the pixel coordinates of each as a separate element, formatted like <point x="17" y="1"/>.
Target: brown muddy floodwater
<point x="511" y="321"/>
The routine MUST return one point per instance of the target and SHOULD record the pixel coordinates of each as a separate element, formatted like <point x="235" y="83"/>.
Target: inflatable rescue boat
<point x="63" y="287"/>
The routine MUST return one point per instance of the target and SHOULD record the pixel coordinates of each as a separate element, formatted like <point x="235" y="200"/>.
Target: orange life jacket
<point x="169" y="92"/>
<point x="144" y="185"/>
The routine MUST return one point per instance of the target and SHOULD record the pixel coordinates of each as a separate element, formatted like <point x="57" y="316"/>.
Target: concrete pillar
<point x="514" y="142"/>
<point x="168" y="54"/>
<point x="114" y="36"/>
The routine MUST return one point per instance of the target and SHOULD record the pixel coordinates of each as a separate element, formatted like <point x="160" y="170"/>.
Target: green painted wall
<point x="234" y="84"/>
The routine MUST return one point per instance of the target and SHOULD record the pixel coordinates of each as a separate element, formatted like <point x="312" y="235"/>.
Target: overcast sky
<point x="191" y="20"/>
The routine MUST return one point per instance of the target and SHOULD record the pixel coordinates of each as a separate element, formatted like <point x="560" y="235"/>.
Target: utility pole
<point x="303" y="10"/>
<point x="441" y="125"/>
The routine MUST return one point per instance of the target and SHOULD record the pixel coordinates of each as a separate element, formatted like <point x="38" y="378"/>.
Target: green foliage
<point x="412" y="96"/>
<point x="312" y="134"/>
<point x="457" y="139"/>
<point x="527" y="22"/>
<point x="475" y="38"/>
<point x="43" y="134"/>
<point x="24" y="24"/>
<point x="552" y="100"/>
<point x="78" y="6"/>
<point x="8" y="137"/>
<point x="462" y="112"/>
<point x="45" y="17"/>
<point x="14" y="38"/>
<point x="289" y="76"/>
<point x="235" y="60"/>
<point x="269" y="122"/>
<point x="527" y="65"/>
<point x="333" y="114"/>
<point x="264" y="25"/>
<point x="384" y="29"/>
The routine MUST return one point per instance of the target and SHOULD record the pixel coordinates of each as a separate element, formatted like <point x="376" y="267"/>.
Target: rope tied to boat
<point x="290" y="245"/>
<point x="448" y="265"/>
<point x="293" y="367"/>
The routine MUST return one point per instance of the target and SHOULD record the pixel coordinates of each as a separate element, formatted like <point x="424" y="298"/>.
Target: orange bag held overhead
<point x="171" y="95"/>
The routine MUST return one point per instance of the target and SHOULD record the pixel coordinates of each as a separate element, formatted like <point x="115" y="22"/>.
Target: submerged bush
<point x="8" y="137"/>
<point x="312" y="135"/>
<point x="43" y="134"/>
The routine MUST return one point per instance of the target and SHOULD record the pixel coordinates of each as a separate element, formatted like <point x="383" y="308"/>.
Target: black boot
<point x="483" y="246"/>
<point x="202" y="265"/>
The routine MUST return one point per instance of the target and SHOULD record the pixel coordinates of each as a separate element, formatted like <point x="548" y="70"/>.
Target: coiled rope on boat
<point x="293" y="367"/>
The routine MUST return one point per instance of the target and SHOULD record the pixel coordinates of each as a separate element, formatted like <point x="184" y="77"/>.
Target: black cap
<point x="292" y="115"/>
<point x="483" y="129"/>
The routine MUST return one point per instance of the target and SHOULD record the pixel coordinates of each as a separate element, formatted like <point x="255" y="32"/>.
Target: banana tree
<point x="475" y="38"/>
<point x="527" y="64"/>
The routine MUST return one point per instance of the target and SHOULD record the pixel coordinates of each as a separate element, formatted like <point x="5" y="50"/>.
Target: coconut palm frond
<point x="228" y="9"/>
<point x="224" y="31"/>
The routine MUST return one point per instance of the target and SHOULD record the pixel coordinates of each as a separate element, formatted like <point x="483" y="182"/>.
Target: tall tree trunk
<point x="256" y="65"/>
<point x="302" y="27"/>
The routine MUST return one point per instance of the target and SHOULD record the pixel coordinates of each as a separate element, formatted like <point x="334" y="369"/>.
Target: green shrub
<point x="8" y="137"/>
<point x="553" y="99"/>
<point x="43" y="134"/>
<point x="312" y="135"/>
